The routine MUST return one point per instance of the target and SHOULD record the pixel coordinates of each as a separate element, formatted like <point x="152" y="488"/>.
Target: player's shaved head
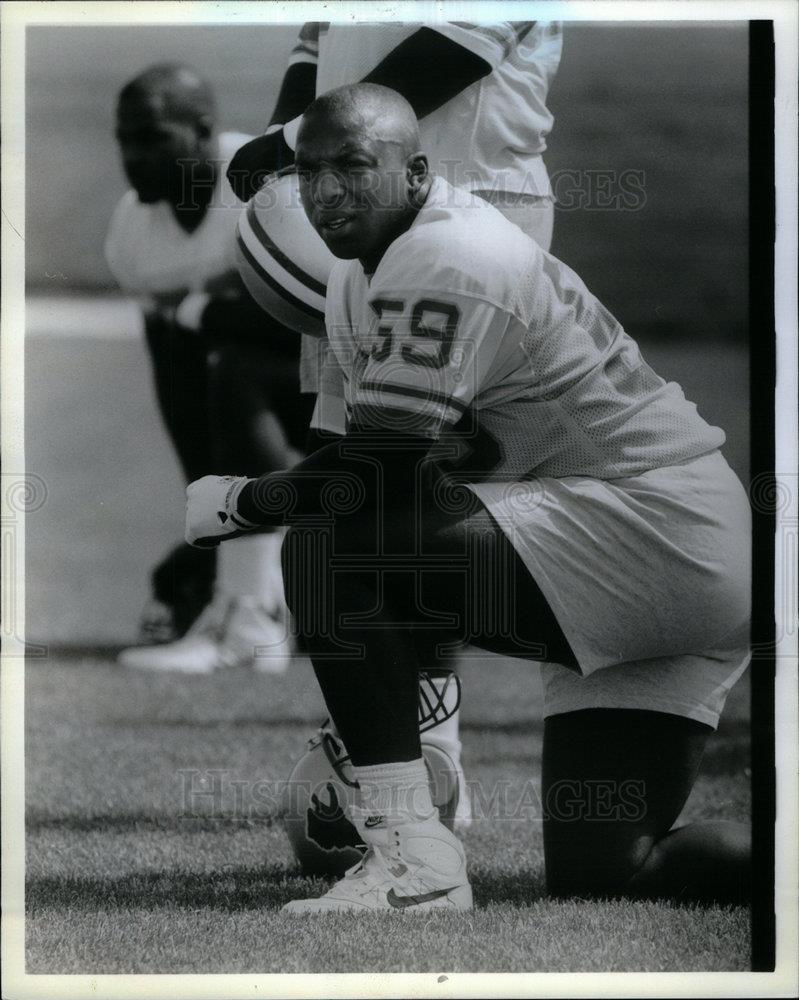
<point x="173" y="91"/>
<point x="378" y="111"/>
<point x="363" y="176"/>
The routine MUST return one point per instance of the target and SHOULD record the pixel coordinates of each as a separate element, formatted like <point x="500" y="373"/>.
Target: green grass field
<point x="121" y="880"/>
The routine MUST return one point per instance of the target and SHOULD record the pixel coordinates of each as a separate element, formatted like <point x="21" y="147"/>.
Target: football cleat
<point x="410" y="866"/>
<point x="229" y="633"/>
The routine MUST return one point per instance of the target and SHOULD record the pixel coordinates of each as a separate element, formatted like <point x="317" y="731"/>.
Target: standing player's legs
<point x="258" y="426"/>
<point x="614" y="782"/>
<point x="256" y="415"/>
<point x="256" y="423"/>
<point x="259" y="417"/>
<point x="182" y="583"/>
<point x="182" y="387"/>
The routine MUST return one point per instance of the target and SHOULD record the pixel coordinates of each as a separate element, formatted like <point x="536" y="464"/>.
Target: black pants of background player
<point x="230" y="400"/>
<point x="402" y="591"/>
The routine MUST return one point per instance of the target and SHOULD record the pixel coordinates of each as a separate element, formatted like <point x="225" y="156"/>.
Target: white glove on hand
<point x="211" y="514"/>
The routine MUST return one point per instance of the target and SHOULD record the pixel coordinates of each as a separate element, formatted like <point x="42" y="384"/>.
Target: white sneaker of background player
<point x="229" y="632"/>
<point x="257" y="636"/>
<point x="409" y="867"/>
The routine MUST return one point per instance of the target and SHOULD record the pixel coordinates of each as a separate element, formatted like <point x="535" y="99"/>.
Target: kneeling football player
<point x="513" y="475"/>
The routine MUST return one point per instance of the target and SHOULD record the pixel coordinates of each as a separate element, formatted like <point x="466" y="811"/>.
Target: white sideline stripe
<point x="280" y="274"/>
<point x="106" y="317"/>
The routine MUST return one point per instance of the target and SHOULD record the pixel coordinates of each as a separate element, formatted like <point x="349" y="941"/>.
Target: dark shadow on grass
<point x="265" y="887"/>
<point x="519" y="888"/>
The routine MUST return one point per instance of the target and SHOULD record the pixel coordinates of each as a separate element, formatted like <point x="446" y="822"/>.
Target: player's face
<point x="155" y="150"/>
<point x="355" y="191"/>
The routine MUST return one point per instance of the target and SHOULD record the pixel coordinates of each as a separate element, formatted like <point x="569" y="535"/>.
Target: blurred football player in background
<point x="225" y="374"/>
<point x="479" y="91"/>
<point x="588" y="521"/>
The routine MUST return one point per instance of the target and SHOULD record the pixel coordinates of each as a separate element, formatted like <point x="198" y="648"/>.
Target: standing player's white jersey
<point x="489" y="136"/>
<point x="468" y="327"/>
<point x="152" y="256"/>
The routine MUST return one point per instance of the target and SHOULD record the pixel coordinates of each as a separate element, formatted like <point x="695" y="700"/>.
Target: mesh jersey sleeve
<point x="492" y="42"/>
<point x="430" y="356"/>
<point x="307" y="48"/>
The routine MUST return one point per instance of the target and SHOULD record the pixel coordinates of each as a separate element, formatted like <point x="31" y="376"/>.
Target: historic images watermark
<point x="217" y="794"/>
<point x="593" y="190"/>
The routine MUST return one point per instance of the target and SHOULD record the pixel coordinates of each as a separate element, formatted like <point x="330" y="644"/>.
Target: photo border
<point x="773" y="385"/>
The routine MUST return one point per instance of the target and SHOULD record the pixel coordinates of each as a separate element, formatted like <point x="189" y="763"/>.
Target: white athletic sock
<point x="398" y="791"/>
<point x="250" y="567"/>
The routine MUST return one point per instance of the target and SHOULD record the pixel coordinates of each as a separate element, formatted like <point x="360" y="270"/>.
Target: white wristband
<point x="231" y="499"/>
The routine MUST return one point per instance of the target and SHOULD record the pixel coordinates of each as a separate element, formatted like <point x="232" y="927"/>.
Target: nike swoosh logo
<point x="373" y="821"/>
<point x="400" y="902"/>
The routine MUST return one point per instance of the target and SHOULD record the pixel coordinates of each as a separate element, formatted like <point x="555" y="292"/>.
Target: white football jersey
<point x="151" y="255"/>
<point x="468" y="322"/>
<point x="489" y="136"/>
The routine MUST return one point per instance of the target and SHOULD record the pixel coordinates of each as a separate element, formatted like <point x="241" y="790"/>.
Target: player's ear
<point x="417" y="171"/>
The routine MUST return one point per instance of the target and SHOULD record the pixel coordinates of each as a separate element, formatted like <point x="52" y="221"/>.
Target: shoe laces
<point x="379" y="861"/>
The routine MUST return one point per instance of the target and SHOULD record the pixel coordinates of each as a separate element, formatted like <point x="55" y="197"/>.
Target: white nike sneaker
<point x="228" y="633"/>
<point x="409" y="867"/>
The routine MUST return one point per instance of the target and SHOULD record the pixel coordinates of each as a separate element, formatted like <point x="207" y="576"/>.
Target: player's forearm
<point x="357" y="471"/>
<point x="428" y="69"/>
<point x="296" y="93"/>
